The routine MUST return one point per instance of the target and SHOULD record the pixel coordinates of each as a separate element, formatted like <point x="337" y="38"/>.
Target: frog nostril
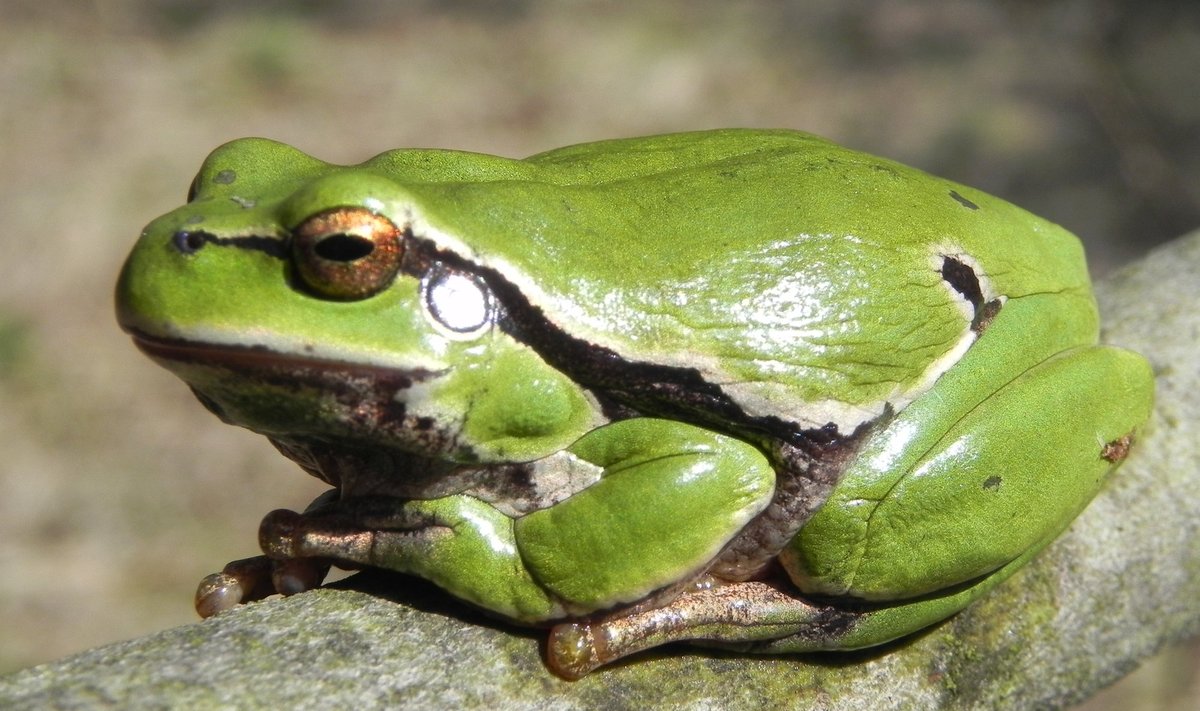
<point x="343" y="247"/>
<point x="189" y="242"/>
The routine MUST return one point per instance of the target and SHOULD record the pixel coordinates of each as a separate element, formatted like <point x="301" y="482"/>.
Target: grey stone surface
<point x="1121" y="583"/>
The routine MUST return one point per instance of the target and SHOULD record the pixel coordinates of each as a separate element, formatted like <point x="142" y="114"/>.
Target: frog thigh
<point x="1003" y="481"/>
<point x="670" y="497"/>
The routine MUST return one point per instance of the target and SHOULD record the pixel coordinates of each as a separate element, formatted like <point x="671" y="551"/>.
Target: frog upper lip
<point x="243" y="357"/>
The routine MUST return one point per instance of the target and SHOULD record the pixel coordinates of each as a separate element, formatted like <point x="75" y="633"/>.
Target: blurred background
<point x="120" y="492"/>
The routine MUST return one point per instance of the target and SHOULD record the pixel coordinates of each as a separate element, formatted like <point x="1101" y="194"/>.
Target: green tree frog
<point x="738" y="387"/>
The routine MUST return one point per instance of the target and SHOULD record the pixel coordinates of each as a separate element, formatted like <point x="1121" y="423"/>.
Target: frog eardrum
<point x="747" y="388"/>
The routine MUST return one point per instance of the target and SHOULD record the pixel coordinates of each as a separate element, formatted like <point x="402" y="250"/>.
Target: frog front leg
<point x="667" y="498"/>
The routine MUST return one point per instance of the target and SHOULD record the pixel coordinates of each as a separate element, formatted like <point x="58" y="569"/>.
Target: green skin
<point x="746" y="388"/>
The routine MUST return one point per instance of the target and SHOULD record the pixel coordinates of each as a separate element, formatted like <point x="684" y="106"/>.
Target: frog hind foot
<point x="737" y="615"/>
<point x="756" y="617"/>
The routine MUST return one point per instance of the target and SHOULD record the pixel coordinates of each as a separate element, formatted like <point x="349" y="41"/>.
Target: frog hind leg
<point x="1004" y="478"/>
<point x="897" y="548"/>
<point x="995" y="459"/>
<point x="753" y="617"/>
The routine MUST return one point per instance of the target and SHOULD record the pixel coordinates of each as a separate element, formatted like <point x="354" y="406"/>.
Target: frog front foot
<point x="251" y="579"/>
<point x="286" y="568"/>
<point x="299" y="549"/>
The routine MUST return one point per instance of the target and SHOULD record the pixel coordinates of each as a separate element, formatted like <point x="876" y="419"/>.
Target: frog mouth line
<point x="249" y="358"/>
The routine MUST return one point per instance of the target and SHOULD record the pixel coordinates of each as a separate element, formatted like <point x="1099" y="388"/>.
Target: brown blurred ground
<point x="119" y="492"/>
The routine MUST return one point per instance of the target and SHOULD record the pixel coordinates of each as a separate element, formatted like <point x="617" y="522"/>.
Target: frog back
<point x="803" y="279"/>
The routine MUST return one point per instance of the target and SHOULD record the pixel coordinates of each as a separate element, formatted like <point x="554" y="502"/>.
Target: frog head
<point x="304" y="300"/>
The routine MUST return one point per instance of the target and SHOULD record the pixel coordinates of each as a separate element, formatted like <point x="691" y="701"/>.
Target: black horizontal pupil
<point x="342" y="247"/>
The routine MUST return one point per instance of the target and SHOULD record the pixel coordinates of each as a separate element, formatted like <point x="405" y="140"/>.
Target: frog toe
<point x="241" y="581"/>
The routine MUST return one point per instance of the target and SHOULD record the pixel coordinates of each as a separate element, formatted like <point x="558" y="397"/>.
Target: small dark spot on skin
<point x="225" y="177"/>
<point x="424" y="423"/>
<point x="963" y="201"/>
<point x="992" y="483"/>
<point x="1116" y="450"/>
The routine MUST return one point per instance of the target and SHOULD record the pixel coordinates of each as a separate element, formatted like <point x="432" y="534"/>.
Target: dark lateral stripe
<point x="193" y="241"/>
<point x="653" y="389"/>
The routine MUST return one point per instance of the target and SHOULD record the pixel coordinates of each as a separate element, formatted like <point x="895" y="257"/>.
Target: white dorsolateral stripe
<point x="760" y="398"/>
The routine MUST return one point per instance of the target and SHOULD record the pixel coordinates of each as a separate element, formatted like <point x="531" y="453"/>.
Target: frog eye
<point x="347" y="253"/>
<point x="458" y="301"/>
